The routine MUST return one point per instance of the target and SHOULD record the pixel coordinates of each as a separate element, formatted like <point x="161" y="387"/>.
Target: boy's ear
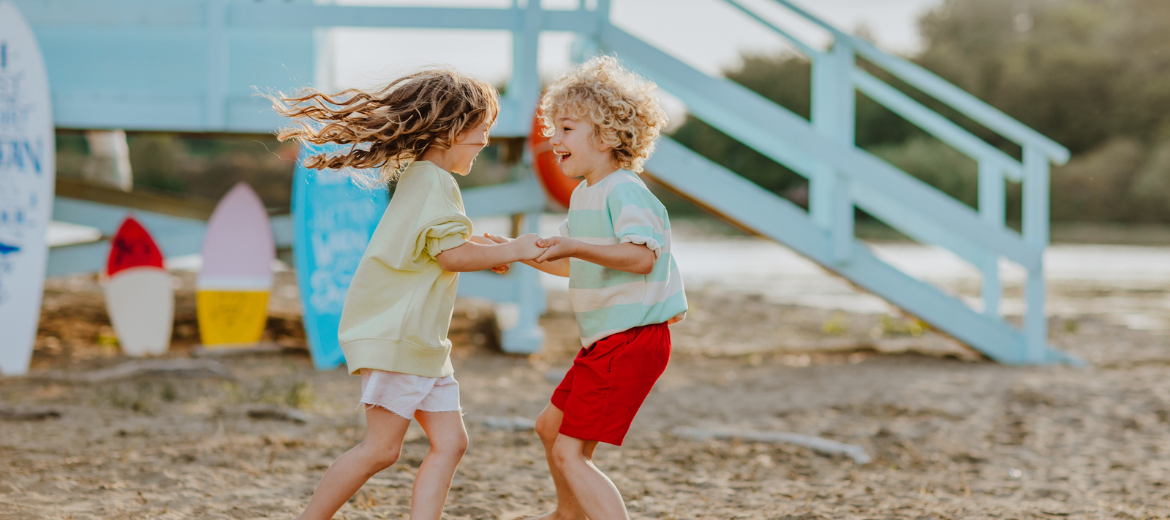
<point x="595" y="140"/>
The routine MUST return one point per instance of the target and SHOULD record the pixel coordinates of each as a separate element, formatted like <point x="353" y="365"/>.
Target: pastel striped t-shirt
<point x="620" y="209"/>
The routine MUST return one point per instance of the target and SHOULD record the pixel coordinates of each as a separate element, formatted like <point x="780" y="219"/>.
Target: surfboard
<point x="140" y="296"/>
<point x="231" y="290"/>
<point x="333" y="220"/>
<point x="27" y="170"/>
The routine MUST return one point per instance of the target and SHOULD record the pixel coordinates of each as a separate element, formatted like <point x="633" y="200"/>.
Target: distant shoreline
<point x="703" y="226"/>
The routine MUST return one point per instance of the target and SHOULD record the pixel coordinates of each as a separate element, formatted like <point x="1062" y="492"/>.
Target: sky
<point x="708" y="34"/>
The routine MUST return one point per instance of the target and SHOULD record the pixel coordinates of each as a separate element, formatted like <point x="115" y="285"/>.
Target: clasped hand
<point x="535" y="249"/>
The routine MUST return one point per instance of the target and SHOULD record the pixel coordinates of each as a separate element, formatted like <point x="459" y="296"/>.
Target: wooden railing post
<point x="1036" y="229"/>
<point x="991" y="208"/>
<point x="602" y="11"/>
<point x="217" y="64"/>
<point x="524" y="86"/>
<point x="834" y="114"/>
<point x="524" y="335"/>
<point x="587" y="44"/>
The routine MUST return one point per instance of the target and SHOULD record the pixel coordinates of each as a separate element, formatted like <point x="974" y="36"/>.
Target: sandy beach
<point x="950" y="434"/>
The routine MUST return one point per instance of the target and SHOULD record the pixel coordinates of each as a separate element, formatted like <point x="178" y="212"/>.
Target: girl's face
<point x="467" y="145"/>
<point x="577" y="150"/>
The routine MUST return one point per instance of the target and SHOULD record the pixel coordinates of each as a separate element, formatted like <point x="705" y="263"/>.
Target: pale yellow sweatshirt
<point x="398" y="307"/>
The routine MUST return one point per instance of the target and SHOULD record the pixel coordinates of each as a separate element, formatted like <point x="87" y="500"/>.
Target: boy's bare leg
<point x="448" y="439"/>
<point x="548" y="425"/>
<point x="378" y="451"/>
<point x="595" y="493"/>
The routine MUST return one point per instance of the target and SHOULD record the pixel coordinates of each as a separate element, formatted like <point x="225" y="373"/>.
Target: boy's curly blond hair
<point x="620" y="105"/>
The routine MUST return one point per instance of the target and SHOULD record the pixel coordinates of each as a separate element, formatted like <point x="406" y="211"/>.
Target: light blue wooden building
<point x="189" y="65"/>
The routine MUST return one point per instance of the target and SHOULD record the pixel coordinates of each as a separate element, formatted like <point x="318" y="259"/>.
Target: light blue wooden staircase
<point x="229" y="45"/>
<point x="843" y="177"/>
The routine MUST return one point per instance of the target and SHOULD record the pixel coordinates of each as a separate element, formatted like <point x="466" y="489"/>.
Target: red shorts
<point x="609" y="381"/>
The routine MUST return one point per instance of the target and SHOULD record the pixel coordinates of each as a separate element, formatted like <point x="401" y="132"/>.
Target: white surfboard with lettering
<point x="26" y="187"/>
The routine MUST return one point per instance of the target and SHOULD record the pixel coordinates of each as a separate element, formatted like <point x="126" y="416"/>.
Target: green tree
<point x="1094" y="75"/>
<point x="1079" y="71"/>
<point x="786" y="80"/>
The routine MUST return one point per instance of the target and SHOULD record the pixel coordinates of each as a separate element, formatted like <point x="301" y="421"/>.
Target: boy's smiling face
<point x="578" y="152"/>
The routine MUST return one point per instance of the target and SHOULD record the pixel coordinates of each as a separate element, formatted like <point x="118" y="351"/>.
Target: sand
<point x="951" y="434"/>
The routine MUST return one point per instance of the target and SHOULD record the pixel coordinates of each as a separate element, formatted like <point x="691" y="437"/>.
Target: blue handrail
<point x="787" y="138"/>
<point x="804" y="48"/>
<point x="936" y="124"/>
<point x="935" y="86"/>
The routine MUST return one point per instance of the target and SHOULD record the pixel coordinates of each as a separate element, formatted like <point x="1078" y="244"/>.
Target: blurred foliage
<point x="1080" y="71"/>
<point x="1094" y="75"/>
<point x="207" y="167"/>
<point x="1095" y="180"/>
<point x="786" y="80"/>
<point x="198" y="166"/>
<point x="936" y="163"/>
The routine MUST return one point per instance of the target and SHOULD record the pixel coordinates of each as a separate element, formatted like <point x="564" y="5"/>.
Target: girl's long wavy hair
<point x="390" y="127"/>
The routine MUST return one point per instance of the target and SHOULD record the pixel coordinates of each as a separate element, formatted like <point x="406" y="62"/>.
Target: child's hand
<point x="556" y="248"/>
<point x="499" y="269"/>
<point x="497" y="238"/>
<point x="530" y="246"/>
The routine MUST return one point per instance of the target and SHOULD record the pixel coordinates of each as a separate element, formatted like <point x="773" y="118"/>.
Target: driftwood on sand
<point x="817" y="444"/>
<point x="138" y="368"/>
<point x="277" y="413"/>
<point x="200" y="351"/>
<point x="27" y="414"/>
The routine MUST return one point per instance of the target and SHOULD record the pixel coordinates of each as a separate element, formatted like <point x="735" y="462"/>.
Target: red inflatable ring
<point x="556" y="184"/>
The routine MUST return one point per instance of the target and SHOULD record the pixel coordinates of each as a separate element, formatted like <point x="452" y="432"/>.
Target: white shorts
<point x="405" y="394"/>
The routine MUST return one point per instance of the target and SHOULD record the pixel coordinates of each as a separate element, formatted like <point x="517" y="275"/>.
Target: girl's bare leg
<point x="593" y="490"/>
<point x="448" y="443"/>
<point x="378" y="451"/>
<point x="548" y="425"/>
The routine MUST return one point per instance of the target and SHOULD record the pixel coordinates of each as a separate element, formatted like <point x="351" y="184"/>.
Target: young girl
<point x="416" y="131"/>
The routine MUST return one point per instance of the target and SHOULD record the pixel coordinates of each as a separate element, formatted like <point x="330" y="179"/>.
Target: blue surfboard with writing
<point x="26" y="187"/>
<point x="333" y="220"/>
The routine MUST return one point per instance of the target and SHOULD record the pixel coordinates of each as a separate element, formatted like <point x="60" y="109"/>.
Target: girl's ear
<point x="463" y="135"/>
<point x="476" y="136"/>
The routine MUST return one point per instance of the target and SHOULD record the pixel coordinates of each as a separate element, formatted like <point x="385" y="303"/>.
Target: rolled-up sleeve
<point x="441" y="237"/>
<point x="638" y="218"/>
<point x="431" y="223"/>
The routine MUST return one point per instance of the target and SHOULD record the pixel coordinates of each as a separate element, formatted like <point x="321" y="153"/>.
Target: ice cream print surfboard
<point x="333" y="220"/>
<point x="26" y="187"/>
<point x="140" y="296"/>
<point x="232" y="288"/>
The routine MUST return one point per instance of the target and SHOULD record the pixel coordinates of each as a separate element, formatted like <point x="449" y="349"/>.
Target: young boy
<point x="623" y="283"/>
